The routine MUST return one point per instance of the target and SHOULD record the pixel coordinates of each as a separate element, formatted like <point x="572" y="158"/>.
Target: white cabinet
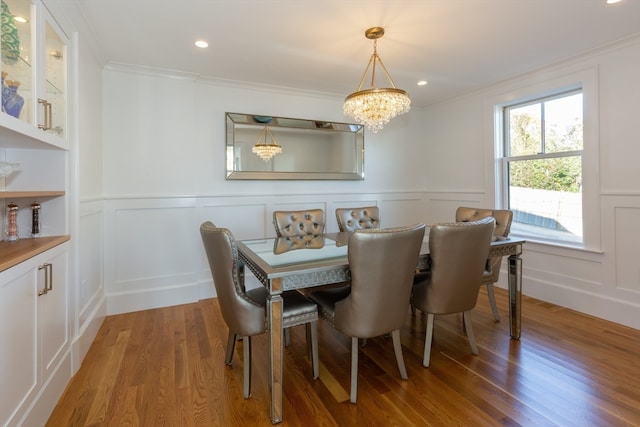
<point x="34" y="53"/>
<point x="35" y="281"/>
<point x="34" y="72"/>
<point x="34" y="337"/>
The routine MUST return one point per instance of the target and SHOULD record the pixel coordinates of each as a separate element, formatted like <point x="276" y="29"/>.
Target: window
<point x="542" y="166"/>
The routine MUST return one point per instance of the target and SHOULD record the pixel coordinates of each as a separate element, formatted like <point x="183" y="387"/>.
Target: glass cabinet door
<point x="16" y="59"/>
<point x="54" y="104"/>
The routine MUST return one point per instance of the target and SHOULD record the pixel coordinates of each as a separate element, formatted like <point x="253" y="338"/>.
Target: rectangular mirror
<point x="311" y="149"/>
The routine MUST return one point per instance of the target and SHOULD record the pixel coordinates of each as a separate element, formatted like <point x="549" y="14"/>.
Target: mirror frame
<point x="280" y="126"/>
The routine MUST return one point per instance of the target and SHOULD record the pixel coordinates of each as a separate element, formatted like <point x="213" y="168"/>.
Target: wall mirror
<point x="311" y="149"/>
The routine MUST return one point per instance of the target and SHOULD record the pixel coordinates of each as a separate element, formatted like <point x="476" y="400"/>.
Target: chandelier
<point x="264" y="150"/>
<point x="374" y="107"/>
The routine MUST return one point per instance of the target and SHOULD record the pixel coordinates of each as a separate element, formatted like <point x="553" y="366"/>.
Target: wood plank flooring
<point x="165" y="367"/>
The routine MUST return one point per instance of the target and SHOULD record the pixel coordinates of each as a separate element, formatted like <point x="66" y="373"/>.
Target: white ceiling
<point x="319" y="45"/>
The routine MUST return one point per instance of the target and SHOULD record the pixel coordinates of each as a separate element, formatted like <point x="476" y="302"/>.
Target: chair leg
<point x="231" y="345"/>
<point x="247" y="367"/>
<point x="492" y="301"/>
<point x="364" y="342"/>
<point x="472" y="339"/>
<point x="397" y="348"/>
<point x="427" y="341"/>
<point x="312" y="344"/>
<point x="354" y="370"/>
<point x="287" y="337"/>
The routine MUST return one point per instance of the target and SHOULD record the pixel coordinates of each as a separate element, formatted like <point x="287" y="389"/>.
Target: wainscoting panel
<point x="441" y="207"/>
<point x="627" y="232"/>
<point x="91" y="300"/>
<point x="154" y="255"/>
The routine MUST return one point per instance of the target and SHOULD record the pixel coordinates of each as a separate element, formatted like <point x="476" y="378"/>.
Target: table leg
<point x="515" y="295"/>
<point x="274" y="313"/>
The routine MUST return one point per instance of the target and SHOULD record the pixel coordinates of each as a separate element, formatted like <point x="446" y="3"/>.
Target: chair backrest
<point x="503" y="219"/>
<point x="352" y="219"/>
<point x="243" y="316"/>
<point x="299" y="223"/>
<point x="382" y="264"/>
<point x="458" y="253"/>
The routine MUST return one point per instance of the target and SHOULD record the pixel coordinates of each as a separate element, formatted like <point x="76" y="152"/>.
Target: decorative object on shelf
<point x="265" y="150"/>
<point x="10" y="39"/>
<point x="5" y="90"/>
<point x="374" y="107"/>
<point x="6" y="168"/>
<point x="13" y="103"/>
<point x="12" y="222"/>
<point x="35" y="219"/>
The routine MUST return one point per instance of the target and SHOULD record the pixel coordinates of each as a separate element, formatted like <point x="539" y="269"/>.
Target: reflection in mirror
<point x="310" y="149"/>
<point x="291" y="243"/>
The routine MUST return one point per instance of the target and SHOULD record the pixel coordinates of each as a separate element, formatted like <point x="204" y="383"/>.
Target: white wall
<point x="603" y="280"/>
<point x="164" y="174"/>
<point x="163" y="160"/>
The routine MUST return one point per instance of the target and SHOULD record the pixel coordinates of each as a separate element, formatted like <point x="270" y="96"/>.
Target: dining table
<point x="290" y="263"/>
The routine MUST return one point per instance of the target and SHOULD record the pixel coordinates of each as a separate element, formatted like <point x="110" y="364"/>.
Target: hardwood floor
<point x="165" y="367"/>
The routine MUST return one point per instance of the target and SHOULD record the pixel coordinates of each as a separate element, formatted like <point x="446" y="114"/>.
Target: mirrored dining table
<point x="289" y="263"/>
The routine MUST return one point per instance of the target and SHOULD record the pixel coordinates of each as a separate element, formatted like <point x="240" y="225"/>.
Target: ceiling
<point x="456" y="45"/>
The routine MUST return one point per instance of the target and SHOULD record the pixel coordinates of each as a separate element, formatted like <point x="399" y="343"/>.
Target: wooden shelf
<point x="29" y="194"/>
<point x="13" y="253"/>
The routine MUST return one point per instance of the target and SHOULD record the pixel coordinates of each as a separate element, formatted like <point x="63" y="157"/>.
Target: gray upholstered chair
<point x="352" y="219"/>
<point x="458" y="253"/>
<point x="244" y="312"/>
<point x="310" y="222"/>
<point x="382" y="264"/>
<point x="503" y="219"/>
<point x="299" y="223"/>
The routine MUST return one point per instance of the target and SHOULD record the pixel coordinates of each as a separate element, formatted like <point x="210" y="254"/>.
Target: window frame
<point x="528" y="91"/>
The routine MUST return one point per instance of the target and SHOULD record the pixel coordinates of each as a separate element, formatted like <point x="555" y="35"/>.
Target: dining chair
<point x="244" y="311"/>
<point x="310" y="222"/>
<point x="352" y="219"/>
<point x="382" y="264"/>
<point x="503" y="219"/>
<point x="458" y="253"/>
<point x="299" y="223"/>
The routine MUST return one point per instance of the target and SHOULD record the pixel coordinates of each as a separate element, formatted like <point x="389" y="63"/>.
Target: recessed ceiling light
<point x="21" y="19"/>
<point x="613" y="1"/>
<point x="201" y="43"/>
<point x="422" y="83"/>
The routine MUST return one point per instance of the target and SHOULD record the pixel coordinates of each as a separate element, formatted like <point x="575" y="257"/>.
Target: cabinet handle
<point x="47" y="114"/>
<point x="48" y="278"/>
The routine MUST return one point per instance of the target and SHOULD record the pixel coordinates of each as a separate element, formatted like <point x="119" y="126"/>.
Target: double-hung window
<point x="542" y="166"/>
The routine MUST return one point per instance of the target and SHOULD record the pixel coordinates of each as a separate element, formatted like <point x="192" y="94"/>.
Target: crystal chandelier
<point x="374" y="107"/>
<point x="264" y="150"/>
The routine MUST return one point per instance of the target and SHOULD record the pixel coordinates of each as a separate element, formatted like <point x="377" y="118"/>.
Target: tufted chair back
<point x="352" y="219"/>
<point x="503" y="219"/>
<point x="299" y="223"/>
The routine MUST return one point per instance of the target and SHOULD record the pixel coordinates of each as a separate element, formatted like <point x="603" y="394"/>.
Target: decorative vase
<point x="14" y="102"/>
<point x="5" y="90"/>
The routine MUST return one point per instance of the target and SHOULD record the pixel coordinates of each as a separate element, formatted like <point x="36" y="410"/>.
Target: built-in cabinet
<point x="35" y="319"/>
<point x="34" y="336"/>
<point x="34" y="58"/>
